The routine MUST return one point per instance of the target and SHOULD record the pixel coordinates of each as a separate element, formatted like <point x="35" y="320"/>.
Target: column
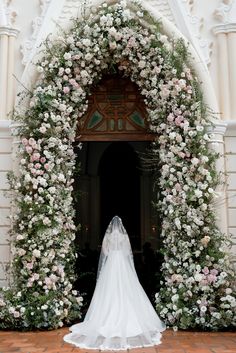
<point x="232" y="69"/>
<point x="10" y="73"/>
<point x="217" y="144"/>
<point x="3" y="71"/>
<point x="223" y="72"/>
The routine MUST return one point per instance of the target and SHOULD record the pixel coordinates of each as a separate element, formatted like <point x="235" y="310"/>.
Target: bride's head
<point x="116" y="225"/>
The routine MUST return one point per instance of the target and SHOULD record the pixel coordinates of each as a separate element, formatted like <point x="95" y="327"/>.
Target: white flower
<point x="36" y="253"/>
<point x="86" y="42"/>
<point x="67" y="56"/>
<point x="228" y="291"/>
<point x="175" y="298"/>
<point x="62" y="107"/>
<point x="88" y="56"/>
<point x="27" y="178"/>
<point x="44" y="307"/>
<point x="42" y="129"/>
<point x="203" y="308"/>
<point x="198" y="277"/>
<point x="195" y="161"/>
<point x="40" y="69"/>
<point x="198" y="193"/>
<point x="142" y="64"/>
<point x="112" y="45"/>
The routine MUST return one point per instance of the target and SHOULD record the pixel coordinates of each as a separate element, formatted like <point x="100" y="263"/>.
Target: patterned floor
<point x="173" y="342"/>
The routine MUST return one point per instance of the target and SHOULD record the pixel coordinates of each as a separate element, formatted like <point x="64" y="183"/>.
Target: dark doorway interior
<point x="119" y="172"/>
<point x="111" y="181"/>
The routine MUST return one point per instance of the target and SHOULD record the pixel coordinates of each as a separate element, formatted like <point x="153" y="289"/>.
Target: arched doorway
<point x="114" y="132"/>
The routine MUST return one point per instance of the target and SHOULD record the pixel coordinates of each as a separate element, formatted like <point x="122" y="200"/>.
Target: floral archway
<point x="197" y="281"/>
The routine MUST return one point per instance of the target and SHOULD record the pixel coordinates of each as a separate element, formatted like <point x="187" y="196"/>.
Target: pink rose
<point x="37" y="165"/>
<point x="33" y="171"/>
<point x="32" y="141"/>
<point x="29" y="149"/>
<point x="178" y="187"/>
<point x="46" y="166"/>
<point x="35" y="157"/>
<point x="66" y="89"/>
<point x="205" y="270"/>
<point x="211" y="278"/>
<point x="214" y="272"/>
<point x="24" y="141"/>
<point x="29" y="265"/>
<point x="178" y="120"/>
<point x="170" y="117"/>
<point x="42" y="159"/>
<point x="181" y="154"/>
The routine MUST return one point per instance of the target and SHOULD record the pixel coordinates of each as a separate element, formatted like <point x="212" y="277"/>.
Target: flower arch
<point x="197" y="280"/>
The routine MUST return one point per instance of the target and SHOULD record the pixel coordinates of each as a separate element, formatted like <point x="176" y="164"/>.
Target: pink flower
<point x="37" y="165"/>
<point x="42" y="159"/>
<point x="205" y="270"/>
<point x="214" y="272"/>
<point x="211" y="278"/>
<point x="75" y="57"/>
<point x="33" y="171"/>
<point x="66" y="89"/>
<point x="24" y="141"/>
<point x="181" y="154"/>
<point x="170" y="117"/>
<point x="178" y="187"/>
<point x="74" y="83"/>
<point x="35" y="157"/>
<point x="46" y="166"/>
<point x="32" y="141"/>
<point x="29" y="149"/>
<point x="178" y="120"/>
<point x="29" y="265"/>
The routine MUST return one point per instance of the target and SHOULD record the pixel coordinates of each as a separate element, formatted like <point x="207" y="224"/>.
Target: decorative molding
<point x="222" y="12"/>
<point x="219" y="128"/>
<point x="7" y="14"/>
<point x="5" y="129"/>
<point x="164" y="7"/>
<point x="224" y="28"/>
<point x="28" y="45"/>
<point x="4" y="30"/>
<point x="231" y="128"/>
<point x="70" y="9"/>
<point x="191" y="25"/>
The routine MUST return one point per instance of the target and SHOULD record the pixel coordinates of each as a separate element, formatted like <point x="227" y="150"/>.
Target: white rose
<point x="67" y="56"/>
<point x="175" y="298"/>
<point x="36" y="253"/>
<point x="203" y="308"/>
<point x="198" y="277"/>
<point x="42" y="129"/>
<point x="142" y="64"/>
<point x="195" y="161"/>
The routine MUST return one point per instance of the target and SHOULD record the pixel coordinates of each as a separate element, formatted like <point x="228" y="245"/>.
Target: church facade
<point x="210" y="30"/>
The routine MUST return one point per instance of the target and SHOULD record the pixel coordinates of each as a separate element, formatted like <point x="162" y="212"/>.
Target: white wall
<point x="230" y="153"/>
<point x="5" y="166"/>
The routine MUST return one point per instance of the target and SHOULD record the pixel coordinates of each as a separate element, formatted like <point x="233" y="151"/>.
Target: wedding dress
<point x="120" y="315"/>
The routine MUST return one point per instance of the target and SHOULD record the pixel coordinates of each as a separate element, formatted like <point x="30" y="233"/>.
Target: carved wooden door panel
<point x="116" y="112"/>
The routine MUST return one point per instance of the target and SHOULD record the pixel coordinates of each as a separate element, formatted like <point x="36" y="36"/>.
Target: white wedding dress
<point x="120" y="315"/>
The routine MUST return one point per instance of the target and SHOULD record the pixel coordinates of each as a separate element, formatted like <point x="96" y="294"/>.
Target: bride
<point x="120" y="315"/>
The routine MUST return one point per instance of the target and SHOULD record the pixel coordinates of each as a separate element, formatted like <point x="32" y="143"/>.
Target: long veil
<point x="115" y="238"/>
<point x="120" y="315"/>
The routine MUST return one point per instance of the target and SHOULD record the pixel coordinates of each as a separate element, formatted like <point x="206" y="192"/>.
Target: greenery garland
<point x="196" y="291"/>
